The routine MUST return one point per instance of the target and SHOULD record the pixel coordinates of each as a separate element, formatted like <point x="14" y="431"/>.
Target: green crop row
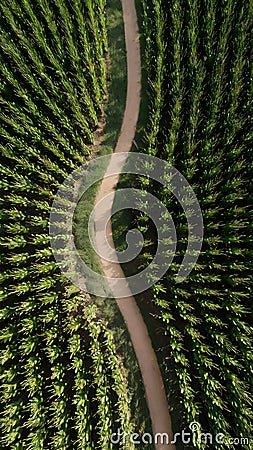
<point x="197" y="58"/>
<point x="62" y="385"/>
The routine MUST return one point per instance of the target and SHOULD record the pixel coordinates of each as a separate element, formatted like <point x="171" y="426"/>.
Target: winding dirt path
<point x="151" y="375"/>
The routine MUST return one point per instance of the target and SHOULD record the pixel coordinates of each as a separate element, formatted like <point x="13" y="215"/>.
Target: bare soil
<point x="151" y="375"/>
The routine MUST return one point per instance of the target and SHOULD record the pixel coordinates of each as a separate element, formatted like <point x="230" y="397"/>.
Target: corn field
<point x="198" y="62"/>
<point x="62" y="385"/>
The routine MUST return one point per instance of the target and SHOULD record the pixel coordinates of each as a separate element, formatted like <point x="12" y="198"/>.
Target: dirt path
<point x="154" y="388"/>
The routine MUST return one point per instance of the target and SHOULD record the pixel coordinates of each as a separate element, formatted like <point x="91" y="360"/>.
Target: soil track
<point x="151" y="375"/>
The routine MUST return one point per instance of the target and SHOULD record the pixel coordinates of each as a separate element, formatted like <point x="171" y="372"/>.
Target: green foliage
<point x="200" y="105"/>
<point x="62" y="385"/>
